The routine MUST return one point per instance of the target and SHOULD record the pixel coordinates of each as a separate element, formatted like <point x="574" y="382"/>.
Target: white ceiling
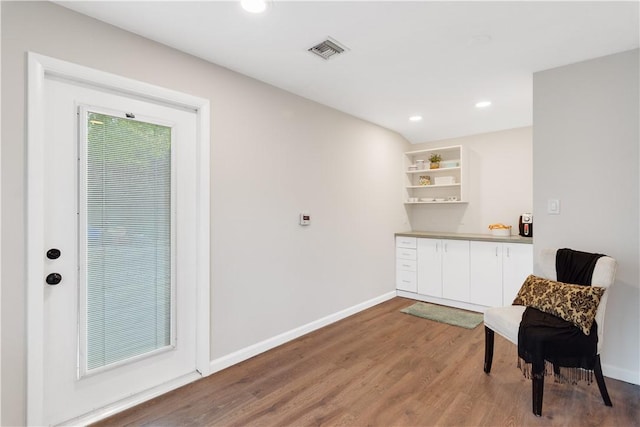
<point x="435" y="59"/>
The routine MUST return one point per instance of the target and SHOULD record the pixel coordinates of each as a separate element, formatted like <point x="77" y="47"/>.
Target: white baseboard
<point x="268" y="344"/>
<point x="224" y="362"/>
<point x="443" y="301"/>
<point x="616" y="373"/>
<point x="131" y="401"/>
<point x="255" y="349"/>
<point x="609" y="371"/>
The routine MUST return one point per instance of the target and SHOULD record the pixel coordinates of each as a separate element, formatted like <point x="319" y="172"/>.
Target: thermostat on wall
<point x="305" y="219"/>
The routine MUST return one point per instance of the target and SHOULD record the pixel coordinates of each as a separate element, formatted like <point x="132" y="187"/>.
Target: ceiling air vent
<point x="327" y="49"/>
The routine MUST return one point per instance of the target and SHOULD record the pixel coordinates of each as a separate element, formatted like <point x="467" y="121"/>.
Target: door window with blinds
<point x="126" y="239"/>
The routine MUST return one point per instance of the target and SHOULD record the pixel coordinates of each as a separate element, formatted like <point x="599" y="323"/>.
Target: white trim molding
<point x="131" y="401"/>
<point x="617" y="373"/>
<point x="270" y="343"/>
<point x="443" y="301"/>
<point x="40" y="67"/>
<point x="0" y="220"/>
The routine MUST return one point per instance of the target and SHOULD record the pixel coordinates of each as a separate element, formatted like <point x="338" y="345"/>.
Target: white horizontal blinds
<point x="128" y="272"/>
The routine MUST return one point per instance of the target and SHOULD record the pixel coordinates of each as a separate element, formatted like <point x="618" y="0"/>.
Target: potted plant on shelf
<point x="435" y="161"/>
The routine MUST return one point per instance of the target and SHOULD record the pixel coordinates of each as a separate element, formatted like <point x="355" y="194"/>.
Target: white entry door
<point x="119" y="217"/>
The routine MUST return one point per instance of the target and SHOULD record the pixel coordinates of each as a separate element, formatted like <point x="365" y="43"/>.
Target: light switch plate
<point x="553" y="207"/>
<point x="305" y="218"/>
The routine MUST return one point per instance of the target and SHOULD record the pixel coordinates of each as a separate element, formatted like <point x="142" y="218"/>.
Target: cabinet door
<point x="455" y="270"/>
<point x="517" y="265"/>
<point x="430" y="267"/>
<point x="485" y="268"/>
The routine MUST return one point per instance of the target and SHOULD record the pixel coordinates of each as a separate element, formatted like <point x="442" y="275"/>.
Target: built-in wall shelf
<point x="439" y="170"/>
<point x="446" y="202"/>
<point x="448" y="183"/>
<point x="434" y="186"/>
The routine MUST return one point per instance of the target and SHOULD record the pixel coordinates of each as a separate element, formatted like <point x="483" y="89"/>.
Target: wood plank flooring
<point x="381" y="367"/>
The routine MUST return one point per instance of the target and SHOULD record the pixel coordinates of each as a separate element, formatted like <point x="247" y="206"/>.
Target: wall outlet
<point x="553" y="207"/>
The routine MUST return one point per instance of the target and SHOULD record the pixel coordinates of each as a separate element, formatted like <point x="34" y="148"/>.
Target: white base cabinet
<point x="498" y="271"/>
<point x="455" y="270"/>
<point x="443" y="268"/>
<point x="485" y="267"/>
<point x="462" y="273"/>
<point x="406" y="264"/>
<point x="430" y="267"/>
<point x="517" y="265"/>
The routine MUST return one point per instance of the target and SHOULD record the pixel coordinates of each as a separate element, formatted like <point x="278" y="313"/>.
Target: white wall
<point x="585" y="153"/>
<point x="500" y="184"/>
<point x="273" y="155"/>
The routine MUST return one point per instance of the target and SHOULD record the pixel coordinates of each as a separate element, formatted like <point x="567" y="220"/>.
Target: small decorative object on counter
<point x="420" y="164"/>
<point x="413" y="168"/>
<point x="424" y="180"/>
<point x="500" y="229"/>
<point x="435" y="161"/>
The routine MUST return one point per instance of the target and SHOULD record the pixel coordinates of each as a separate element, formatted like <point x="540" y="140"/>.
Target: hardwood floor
<point x="381" y="367"/>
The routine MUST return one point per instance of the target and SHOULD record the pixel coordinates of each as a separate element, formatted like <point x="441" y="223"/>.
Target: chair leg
<point x="488" y="349"/>
<point x="597" y="370"/>
<point x="536" y="393"/>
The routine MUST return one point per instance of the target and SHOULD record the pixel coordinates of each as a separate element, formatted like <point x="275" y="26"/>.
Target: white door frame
<point x="0" y="221"/>
<point x="39" y="67"/>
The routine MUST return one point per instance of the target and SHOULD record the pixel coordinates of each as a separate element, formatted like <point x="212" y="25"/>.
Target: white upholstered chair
<point x="506" y="321"/>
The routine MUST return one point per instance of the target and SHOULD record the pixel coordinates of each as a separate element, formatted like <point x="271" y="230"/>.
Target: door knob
<point x="54" y="278"/>
<point x="53" y="253"/>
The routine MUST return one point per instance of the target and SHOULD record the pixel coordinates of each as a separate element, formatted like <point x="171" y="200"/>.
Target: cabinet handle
<point x="445" y="247"/>
<point x="496" y="251"/>
<point x="437" y="244"/>
<point x="507" y="252"/>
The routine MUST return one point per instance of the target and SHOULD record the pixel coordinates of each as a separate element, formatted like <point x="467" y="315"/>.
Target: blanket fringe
<point x="561" y="375"/>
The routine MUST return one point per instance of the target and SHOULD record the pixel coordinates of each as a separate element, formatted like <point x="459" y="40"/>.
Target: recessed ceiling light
<point x="254" y="6"/>
<point x="415" y="118"/>
<point x="483" y="104"/>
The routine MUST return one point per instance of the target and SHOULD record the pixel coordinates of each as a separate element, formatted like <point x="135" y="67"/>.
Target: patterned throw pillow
<point x="574" y="303"/>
